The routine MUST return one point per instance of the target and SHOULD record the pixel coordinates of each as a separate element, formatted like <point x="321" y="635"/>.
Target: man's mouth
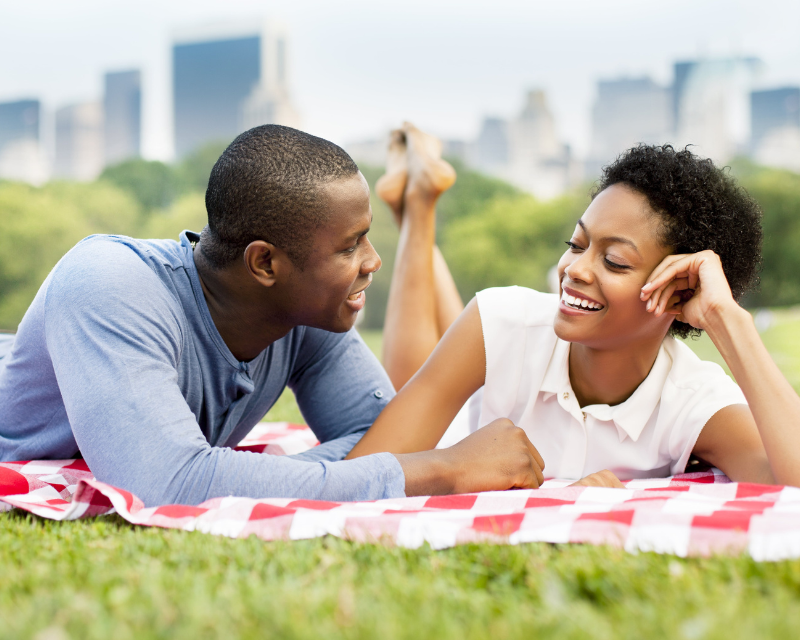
<point x="579" y="303"/>
<point x="355" y="296"/>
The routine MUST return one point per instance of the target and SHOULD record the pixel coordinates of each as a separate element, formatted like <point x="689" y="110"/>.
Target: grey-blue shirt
<point x="118" y="358"/>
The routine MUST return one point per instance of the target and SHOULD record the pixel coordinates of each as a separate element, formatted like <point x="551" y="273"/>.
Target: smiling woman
<point x="593" y="375"/>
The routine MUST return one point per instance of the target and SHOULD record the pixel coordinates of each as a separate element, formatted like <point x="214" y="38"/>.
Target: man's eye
<point x="573" y="246"/>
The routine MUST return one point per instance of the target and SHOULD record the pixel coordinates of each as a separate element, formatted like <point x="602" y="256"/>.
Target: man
<point x="152" y="358"/>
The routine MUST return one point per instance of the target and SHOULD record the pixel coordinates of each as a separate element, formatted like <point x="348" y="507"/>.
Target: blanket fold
<point x="691" y="514"/>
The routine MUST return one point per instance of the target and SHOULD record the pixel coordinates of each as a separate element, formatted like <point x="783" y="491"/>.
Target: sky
<point x="360" y="67"/>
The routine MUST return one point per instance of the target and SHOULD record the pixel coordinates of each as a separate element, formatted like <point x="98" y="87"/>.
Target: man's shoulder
<point x="110" y="271"/>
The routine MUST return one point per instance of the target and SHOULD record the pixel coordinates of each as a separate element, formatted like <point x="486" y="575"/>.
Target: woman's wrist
<point x="724" y="322"/>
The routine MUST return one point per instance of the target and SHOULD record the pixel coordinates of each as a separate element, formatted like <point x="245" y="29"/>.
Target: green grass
<point x="102" y="578"/>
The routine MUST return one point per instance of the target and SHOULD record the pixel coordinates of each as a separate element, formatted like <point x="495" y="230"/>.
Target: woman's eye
<point x="573" y="246"/>
<point x="614" y="265"/>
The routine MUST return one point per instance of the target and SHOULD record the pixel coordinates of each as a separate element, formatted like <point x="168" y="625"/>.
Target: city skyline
<point x="359" y="69"/>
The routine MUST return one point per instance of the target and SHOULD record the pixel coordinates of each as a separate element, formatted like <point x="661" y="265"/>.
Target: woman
<point x="593" y="374"/>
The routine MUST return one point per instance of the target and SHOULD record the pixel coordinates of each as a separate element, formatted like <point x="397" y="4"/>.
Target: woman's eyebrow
<point x="611" y="239"/>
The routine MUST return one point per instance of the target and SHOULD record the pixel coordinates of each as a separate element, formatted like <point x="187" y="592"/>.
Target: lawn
<point x="105" y="578"/>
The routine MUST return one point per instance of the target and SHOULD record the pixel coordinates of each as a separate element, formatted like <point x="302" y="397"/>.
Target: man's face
<point x="329" y="291"/>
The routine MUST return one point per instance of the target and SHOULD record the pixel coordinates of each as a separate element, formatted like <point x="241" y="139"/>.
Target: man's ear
<point x="266" y="262"/>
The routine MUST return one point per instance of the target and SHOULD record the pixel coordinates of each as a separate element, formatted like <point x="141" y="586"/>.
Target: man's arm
<point x="114" y="335"/>
<point x="340" y="388"/>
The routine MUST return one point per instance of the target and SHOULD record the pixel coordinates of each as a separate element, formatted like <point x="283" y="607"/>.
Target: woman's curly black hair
<point x="701" y="208"/>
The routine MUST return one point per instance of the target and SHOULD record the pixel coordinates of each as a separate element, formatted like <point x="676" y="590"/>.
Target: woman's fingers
<point x="679" y="267"/>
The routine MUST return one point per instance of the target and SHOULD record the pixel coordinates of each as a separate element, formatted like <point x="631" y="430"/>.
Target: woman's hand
<point x="604" y="478"/>
<point x="692" y="287"/>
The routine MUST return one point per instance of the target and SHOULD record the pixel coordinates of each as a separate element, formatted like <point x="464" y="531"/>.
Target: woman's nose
<point x="580" y="268"/>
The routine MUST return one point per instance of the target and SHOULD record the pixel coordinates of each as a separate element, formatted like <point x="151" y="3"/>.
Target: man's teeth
<point x="579" y="303"/>
<point x="354" y="296"/>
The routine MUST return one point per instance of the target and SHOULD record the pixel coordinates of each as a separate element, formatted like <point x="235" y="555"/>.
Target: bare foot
<point x="392" y="184"/>
<point x="429" y="175"/>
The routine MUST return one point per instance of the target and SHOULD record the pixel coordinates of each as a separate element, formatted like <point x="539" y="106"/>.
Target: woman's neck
<point x="609" y="376"/>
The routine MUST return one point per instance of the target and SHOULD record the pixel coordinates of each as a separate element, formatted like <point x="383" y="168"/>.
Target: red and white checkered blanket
<point x="690" y="514"/>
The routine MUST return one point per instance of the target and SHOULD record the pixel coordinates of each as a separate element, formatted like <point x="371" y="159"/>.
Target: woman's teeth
<point x="579" y="303"/>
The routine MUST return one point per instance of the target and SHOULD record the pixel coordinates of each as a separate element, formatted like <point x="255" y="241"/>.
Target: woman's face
<point x="613" y="250"/>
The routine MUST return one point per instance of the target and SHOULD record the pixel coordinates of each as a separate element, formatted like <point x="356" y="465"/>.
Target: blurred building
<point x="229" y="78"/>
<point x="712" y="105"/>
<point x="775" y="127"/>
<point x="491" y="147"/>
<point x="21" y="153"/>
<point x="79" y="153"/>
<point x="122" y="106"/>
<point x="526" y="150"/>
<point x="628" y="111"/>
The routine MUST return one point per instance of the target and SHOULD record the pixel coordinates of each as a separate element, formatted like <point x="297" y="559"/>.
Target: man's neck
<point x="609" y="376"/>
<point x="240" y="313"/>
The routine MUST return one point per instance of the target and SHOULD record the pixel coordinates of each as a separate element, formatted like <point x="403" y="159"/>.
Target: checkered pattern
<point x="690" y="514"/>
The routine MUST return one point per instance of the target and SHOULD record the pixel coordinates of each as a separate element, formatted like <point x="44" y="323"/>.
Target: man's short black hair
<point x="267" y="185"/>
<point x="701" y="208"/>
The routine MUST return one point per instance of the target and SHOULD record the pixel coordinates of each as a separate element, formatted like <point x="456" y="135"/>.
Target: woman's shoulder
<point x="690" y="373"/>
<point x="517" y="305"/>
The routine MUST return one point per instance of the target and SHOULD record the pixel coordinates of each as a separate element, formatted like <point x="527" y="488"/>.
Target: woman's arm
<point x="420" y="413"/>
<point x="774" y="406"/>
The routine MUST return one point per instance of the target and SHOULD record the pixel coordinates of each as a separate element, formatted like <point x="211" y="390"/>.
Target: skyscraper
<point x="626" y="112"/>
<point x="79" y="141"/>
<point x="491" y="148"/>
<point x="773" y="109"/>
<point x="228" y="78"/>
<point x="21" y="155"/>
<point x="122" y="104"/>
<point x="775" y="127"/>
<point x="712" y="103"/>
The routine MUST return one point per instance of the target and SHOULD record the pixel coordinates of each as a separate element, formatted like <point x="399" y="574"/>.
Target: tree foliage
<point x="490" y="233"/>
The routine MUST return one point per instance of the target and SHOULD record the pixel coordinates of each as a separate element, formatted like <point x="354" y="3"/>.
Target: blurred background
<point x="113" y="113"/>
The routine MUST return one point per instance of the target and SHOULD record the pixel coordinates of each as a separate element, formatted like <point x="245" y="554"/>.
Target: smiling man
<point x="152" y="358"/>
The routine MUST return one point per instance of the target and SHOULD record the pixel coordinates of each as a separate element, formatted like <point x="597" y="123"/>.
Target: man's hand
<point x="497" y="457"/>
<point x="602" y="478"/>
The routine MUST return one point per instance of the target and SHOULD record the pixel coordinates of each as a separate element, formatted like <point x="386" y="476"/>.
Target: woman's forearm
<point x="773" y="402"/>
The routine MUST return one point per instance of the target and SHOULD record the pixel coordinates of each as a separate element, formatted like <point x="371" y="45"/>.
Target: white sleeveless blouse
<point x="651" y="434"/>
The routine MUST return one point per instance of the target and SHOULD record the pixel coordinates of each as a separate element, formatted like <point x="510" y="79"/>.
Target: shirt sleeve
<point x="700" y="389"/>
<point x="340" y="388"/>
<point x="114" y="334"/>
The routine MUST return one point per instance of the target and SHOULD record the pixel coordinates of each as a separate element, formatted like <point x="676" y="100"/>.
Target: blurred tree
<point x="778" y="193"/>
<point x="470" y="194"/>
<point x="187" y="212"/>
<point x="39" y="225"/>
<point x="512" y="240"/>
<point x="152" y="183"/>
<point x="193" y="171"/>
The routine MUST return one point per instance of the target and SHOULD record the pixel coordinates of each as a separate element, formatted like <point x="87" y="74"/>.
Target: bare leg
<point x="448" y="301"/>
<point x="423" y="300"/>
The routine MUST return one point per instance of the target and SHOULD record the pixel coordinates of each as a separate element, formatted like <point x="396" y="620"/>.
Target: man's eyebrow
<point x="611" y="239"/>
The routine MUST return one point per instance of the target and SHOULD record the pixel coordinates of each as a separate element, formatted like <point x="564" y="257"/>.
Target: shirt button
<point x="583" y="413"/>
<point x="378" y="394"/>
<point x="566" y="395"/>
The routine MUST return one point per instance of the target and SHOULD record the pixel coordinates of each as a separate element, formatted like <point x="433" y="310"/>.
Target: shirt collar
<point x="631" y="416"/>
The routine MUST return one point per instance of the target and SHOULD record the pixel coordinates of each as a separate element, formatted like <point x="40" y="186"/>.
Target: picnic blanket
<point x="692" y="514"/>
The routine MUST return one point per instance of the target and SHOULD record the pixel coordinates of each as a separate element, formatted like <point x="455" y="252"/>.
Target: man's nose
<point x="372" y="263"/>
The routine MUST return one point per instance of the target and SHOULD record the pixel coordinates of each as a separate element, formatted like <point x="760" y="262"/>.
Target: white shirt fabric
<point x="651" y="434"/>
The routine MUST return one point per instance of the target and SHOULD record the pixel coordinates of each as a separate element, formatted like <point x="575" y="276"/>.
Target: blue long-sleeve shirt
<point x="118" y="358"/>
